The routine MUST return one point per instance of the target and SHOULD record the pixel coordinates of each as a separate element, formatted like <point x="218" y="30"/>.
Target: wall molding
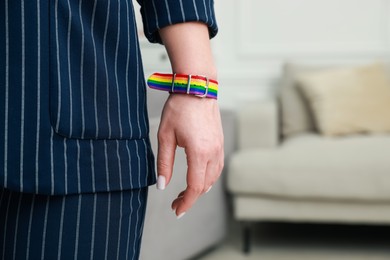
<point x="247" y="48"/>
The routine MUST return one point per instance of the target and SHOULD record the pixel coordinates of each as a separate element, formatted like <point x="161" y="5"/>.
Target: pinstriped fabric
<point x="106" y="69"/>
<point x="182" y="10"/>
<point x="116" y="70"/>
<point x="61" y="228"/>
<point x="106" y="165"/>
<point x="213" y="24"/>
<point x="5" y="225"/>
<point x="81" y="226"/>
<point x="73" y="95"/>
<point x="38" y="111"/>
<point x="120" y="166"/>
<point x="139" y="81"/>
<point x="127" y="68"/>
<point x="58" y="68"/>
<point x="130" y="230"/>
<point x="51" y="164"/>
<point x="118" y="241"/>
<point x="205" y="11"/>
<point x="6" y="87"/>
<point x="196" y="10"/>
<point x="92" y="25"/>
<point x="70" y="87"/>
<point x="93" y="181"/>
<point x="108" y="226"/>
<point x="65" y="153"/>
<point x="29" y="227"/>
<point x="168" y="13"/>
<point x="78" y="168"/>
<point x="44" y="229"/>
<point x="16" y="227"/>
<point x="157" y="14"/>
<point x="23" y="94"/>
<point x="82" y="54"/>
<point x="92" y="250"/>
<point x="77" y="239"/>
<point x="56" y="84"/>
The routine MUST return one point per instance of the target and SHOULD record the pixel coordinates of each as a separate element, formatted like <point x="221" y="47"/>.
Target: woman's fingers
<point x="165" y="157"/>
<point x="196" y="175"/>
<point x="196" y="125"/>
<point x="186" y="199"/>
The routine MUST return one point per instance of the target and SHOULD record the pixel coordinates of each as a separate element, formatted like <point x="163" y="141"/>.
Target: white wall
<point x="257" y="36"/>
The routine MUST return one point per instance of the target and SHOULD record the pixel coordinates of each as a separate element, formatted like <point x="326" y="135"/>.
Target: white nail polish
<point x="209" y="189"/>
<point x="181" y="215"/>
<point x="161" y="182"/>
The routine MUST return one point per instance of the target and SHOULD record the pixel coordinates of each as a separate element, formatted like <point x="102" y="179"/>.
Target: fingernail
<point x="161" y="182"/>
<point x="181" y="215"/>
<point x="209" y="189"/>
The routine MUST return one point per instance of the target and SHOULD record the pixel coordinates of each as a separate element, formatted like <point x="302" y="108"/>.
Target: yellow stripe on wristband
<point x="182" y="83"/>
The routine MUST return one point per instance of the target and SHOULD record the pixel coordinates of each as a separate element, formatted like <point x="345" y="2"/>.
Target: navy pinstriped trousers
<point x="82" y="226"/>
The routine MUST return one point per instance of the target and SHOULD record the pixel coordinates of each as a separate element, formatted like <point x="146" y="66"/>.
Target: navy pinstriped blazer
<point x="73" y="100"/>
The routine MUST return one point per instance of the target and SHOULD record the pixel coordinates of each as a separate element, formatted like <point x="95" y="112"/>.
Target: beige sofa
<point x="284" y="170"/>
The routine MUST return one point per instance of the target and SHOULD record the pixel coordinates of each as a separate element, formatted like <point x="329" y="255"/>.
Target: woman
<point x="76" y="158"/>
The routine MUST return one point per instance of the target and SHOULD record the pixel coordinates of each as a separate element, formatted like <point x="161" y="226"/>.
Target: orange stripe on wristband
<point x="181" y="83"/>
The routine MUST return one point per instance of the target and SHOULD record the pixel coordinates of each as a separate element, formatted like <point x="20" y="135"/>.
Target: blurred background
<point x="305" y="102"/>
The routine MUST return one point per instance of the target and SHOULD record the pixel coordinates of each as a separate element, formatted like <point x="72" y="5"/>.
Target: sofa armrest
<point x="229" y="125"/>
<point x="258" y="125"/>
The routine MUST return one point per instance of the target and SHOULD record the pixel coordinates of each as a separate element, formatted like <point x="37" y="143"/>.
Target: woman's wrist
<point x="189" y="49"/>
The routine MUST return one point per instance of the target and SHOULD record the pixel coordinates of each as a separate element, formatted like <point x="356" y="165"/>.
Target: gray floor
<point x="276" y="241"/>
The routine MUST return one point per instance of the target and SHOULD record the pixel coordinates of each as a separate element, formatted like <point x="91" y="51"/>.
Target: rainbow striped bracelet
<point x="187" y="84"/>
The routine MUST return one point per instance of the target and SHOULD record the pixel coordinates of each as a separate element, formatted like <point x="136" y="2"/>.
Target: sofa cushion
<point x="349" y="100"/>
<point x="355" y="167"/>
<point x="295" y="112"/>
<point x="296" y="117"/>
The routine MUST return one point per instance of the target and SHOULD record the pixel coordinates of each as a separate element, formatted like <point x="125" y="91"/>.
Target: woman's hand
<point x="195" y="124"/>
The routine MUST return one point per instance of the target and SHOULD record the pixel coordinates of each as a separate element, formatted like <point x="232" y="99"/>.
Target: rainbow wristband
<point x="187" y="84"/>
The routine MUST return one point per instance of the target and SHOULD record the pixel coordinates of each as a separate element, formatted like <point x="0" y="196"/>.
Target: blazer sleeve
<point x="157" y="14"/>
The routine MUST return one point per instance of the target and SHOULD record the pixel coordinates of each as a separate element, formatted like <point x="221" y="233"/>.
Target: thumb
<point x="165" y="157"/>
